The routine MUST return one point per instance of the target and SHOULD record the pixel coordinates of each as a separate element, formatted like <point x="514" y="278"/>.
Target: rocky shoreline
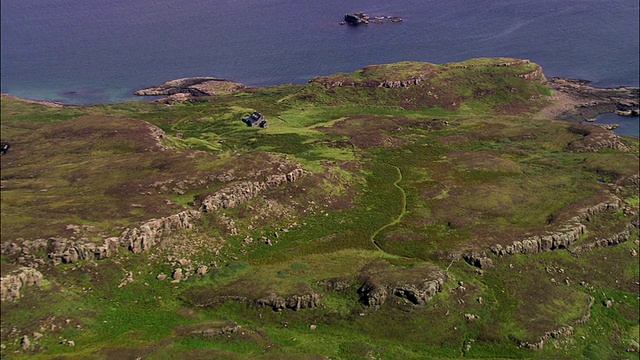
<point x="583" y="102"/>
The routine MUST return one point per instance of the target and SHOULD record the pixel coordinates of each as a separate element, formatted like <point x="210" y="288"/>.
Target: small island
<point x="360" y="18"/>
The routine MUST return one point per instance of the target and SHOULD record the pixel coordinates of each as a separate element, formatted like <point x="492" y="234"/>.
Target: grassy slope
<point x="490" y="174"/>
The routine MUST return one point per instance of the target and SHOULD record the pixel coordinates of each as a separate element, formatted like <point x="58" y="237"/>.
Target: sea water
<point x="89" y="51"/>
<point x="627" y="125"/>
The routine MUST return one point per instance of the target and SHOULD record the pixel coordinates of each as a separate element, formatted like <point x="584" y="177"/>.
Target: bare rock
<point x="12" y="284"/>
<point x="416" y="285"/>
<point x="144" y="237"/>
<point x="177" y="274"/>
<point x="479" y="260"/>
<point x="471" y="317"/>
<point x="25" y="343"/>
<point x="238" y="194"/>
<point x="202" y="270"/>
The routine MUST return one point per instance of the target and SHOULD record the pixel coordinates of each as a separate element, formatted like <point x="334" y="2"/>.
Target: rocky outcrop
<point x="614" y="239"/>
<point x="479" y="260"/>
<point x="373" y="294"/>
<point x="12" y="284"/>
<point x="194" y="86"/>
<point x="293" y="302"/>
<point x="417" y="286"/>
<point x="595" y="138"/>
<point x="393" y="84"/>
<point x="238" y="194"/>
<point x="562" y="239"/>
<point x="149" y="233"/>
<point x="144" y="237"/>
<point x="564" y="236"/>
<point x="360" y="18"/>
<point x="62" y="250"/>
<point x="563" y="331"/>
<point x="212" y="332"/>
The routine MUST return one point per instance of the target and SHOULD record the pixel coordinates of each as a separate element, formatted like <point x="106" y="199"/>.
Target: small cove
<point x="628" y="125"/>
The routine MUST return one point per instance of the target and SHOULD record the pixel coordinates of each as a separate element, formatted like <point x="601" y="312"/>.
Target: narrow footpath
<point x="398" y="218"/>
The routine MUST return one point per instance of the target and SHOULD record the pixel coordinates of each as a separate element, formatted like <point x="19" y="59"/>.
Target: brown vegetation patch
<point x="366" y="131"/>
<point x="132" y="353"/>
<point x="483" y="160"/>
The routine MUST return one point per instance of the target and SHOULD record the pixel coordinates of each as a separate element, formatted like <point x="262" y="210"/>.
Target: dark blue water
<point x="628" y="125"/>
<point x="87" y="51"/>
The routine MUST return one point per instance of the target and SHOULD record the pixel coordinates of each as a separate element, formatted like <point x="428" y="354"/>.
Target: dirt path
<point x="398" y="218"/>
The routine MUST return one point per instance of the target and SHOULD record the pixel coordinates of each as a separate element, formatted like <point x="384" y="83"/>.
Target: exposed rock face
<point x="62" y="250"/>
<point x="356" y="18"/>
<point x="235" y="195"/>
<point x="294" y="302"/>
<point x="373" y="294"/>
<point x="614" y="239"/>
<point x="11" y="285"/>
<point x="417" y="286"/>
<point x="195" y="86"/>
<point x="212" y="332"/>
<point x="479" y="260"/>
<point x="360" y="18"/>
<point x="564" y="236"/>
<point x="144" y="237"/>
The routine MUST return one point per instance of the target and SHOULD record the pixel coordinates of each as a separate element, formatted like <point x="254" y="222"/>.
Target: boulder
<point x="12" y="284"/>
<point x="177" y="274"/>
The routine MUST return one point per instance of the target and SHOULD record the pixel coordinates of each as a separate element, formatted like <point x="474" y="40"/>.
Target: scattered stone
<point x="608" y="303"/>
<point x="177" y="274"/>
<point x="471" y="317"/>
<point x="25" y="344"/>
<point x="202" y="270"/>
<point x="184" y="262"/>
<point x="37" y="336"/>
<point x="161" y="276"/>
<point x="127" y="279"/>
<point x="313" y="326"/>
